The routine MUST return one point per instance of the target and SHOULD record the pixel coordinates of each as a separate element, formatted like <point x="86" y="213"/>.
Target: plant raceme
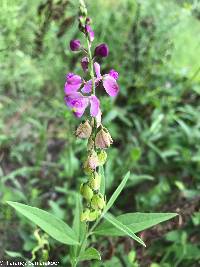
<point x="80" y="94"/>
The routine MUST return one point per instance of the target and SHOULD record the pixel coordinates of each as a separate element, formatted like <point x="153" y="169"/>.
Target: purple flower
<point x="85" y="63"/>
<point x="75" y="45"/>
<point x="101" y="50"/>
<point x="73" y="83"/>
<point x="90" y="32"/>
<point x="78" y="103"/>
<point x="109" y="82"/>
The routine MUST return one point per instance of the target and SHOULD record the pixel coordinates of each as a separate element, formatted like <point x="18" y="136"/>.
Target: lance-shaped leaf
<point x="123" y="228"/>
<point x="52" y="225"/>
<point x="135" y="221"/>
<point x="117" y="192"/>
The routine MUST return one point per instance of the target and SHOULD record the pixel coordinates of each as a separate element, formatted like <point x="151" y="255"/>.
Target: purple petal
<point x="97" y="69"/>
<point x="87" y="88"/>
<point x="98" y="118"/>
<point x="110" y="85"/>
<point x="73" y="79"/>
<point x="94" y="108"/>
<point x="73" y="83"/>
<point x="77" y="102"/>
<point x="113" y="73"/>
<point x="90" y="32"/>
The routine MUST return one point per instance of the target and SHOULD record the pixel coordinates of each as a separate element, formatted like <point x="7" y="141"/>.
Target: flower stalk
<point x="81" y="93"/>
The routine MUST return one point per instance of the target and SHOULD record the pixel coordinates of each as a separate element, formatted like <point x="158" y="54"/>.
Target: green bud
<point x="93" y="215"/>
<point x="45" y="255"/>
<point x="95" y="181"/>
<point x="102" y="156"/>
<point x="85" y="215"/>
<point x="97" y="202"/>
<point x="86" y="191"/>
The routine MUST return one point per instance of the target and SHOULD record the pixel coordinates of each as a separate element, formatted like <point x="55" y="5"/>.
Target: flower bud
<point x="102" y="156"/>
<point x="82" y="8"/>
<point x="85" y="63"/>
<point x="85" y="215"/>
<point x="75" y="45"/>
<point x="82" y="21"/>
<point x="93" y="160"/>
<point x="97" y="202"/>
<point x="93" y="215"/>
<point x="101" y="50"/>
<point x="84" y="130"/>
<point x="86" y="191"/>
<point x="95" y="181"/>
<point x="103" y="139"/>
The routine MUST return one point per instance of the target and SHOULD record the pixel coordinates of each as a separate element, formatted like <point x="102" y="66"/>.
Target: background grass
<point x="155" y="122"/>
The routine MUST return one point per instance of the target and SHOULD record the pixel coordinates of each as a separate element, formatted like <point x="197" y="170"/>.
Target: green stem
<point x="91" y="66"/>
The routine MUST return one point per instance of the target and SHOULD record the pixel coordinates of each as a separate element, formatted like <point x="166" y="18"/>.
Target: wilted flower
<point x="101" y="50"/>
<point x="78" y="103"/>
<point x="103" y="139"/>
<point x="97" y="202"/>
<point x="109" y="82"/>
<point x="93" y="160"/>
<point x="84" y="130"/>
<point x="75" y="45"/>
<point x="86" y="191"/>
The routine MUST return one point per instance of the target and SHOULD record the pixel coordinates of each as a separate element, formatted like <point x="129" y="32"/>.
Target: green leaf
<point x="53" y="226"/>
<point x="78" y="227"/>
<point x="135" y="221"/>
<point x="122" y="227"/>
<point x="14" y="254"/>
<point x="117" y="192"/>
<point x="90" y="254"/>
<point x="103" y="180"/>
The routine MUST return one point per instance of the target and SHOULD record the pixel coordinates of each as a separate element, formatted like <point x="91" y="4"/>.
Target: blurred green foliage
<point x="155" y="122"/>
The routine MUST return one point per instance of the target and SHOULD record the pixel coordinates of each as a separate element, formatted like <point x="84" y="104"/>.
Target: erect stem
<point x="91" y="65"/>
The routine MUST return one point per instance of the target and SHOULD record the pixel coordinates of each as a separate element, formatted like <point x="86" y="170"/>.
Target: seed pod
<point x="93" y="215"/>
<point x="102" y="156"/>
<point x="103" y="139"/>
<point x="86" y="191"/>
<point x="97" y="202"/>
<point x="95" y="181"/>
<point x="84" y="130"/>
<point x="84" y="215"/>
